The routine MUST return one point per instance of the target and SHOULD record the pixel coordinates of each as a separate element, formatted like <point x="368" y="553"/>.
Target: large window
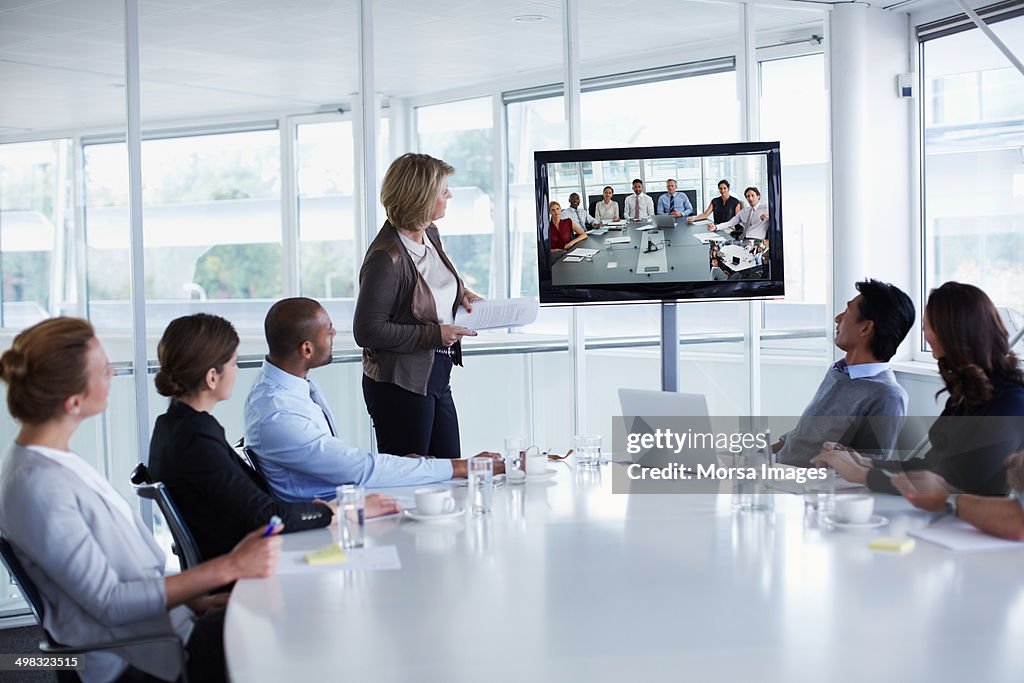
<point x="461" y="133"/>
<point x="973" y="113"/>
<point x="211" y="223"/>
<point x="36" y="220"/>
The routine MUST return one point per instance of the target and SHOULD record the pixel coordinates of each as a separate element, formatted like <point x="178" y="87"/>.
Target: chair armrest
<point x="47" y="646"/>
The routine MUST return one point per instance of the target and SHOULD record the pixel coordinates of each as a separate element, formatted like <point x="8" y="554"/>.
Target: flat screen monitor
<point x="659" y="223"/>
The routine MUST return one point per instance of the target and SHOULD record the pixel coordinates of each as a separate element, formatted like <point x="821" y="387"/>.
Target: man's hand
<point x="453" y="333"/>
<point x="460" y="468"/>
<point x="845" y="463"/>
<point x="921" y="482"/>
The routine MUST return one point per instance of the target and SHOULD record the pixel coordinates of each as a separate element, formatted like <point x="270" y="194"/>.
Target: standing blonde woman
<point x="99" y="571"/>
<point x="409" y="291"/>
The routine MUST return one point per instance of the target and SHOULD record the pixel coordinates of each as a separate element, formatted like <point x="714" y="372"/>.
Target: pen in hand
<point x="273" y="524"/>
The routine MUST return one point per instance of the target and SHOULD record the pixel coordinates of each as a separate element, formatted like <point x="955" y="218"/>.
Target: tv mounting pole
<point x="669" y="346"/>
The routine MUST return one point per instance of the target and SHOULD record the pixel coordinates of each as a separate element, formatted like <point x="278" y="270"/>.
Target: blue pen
<point x="274" y="521"/>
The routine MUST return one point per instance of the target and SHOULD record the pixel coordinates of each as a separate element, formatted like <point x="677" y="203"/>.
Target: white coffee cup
<point x="434" y="501"/>
<point x="854" y="509"/>
<point x="536" y="462"/>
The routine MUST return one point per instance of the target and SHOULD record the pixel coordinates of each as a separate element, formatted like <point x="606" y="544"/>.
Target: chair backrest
<point x="184" y="544"/>
<point x="27" y="586"/>
<point x="254" y="460"/>
<point x="140" y="475"/>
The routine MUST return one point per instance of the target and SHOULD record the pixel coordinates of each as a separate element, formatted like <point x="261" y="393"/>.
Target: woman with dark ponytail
<point x="218" y="495"/>
<point x="980" y="426"/>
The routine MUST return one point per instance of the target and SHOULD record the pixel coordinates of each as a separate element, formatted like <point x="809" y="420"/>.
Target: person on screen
<point x="675" y="204"/>
<point x="980" y="425"/>
<point x="564" y="232"/>
<point x="99" y="571"/>
<point x="858" y="401"/>
<point x="1002" y="517"/>
<point x="579" y="214"/>
<point x="220" y="497"/>
<point x="724" y="206"/>
<point x="639" y="205"/>
<point x="752" y="221"/>
<point x="716" y="271"/>
<point x="607" y="209"/>
<point x="292" y="429"/>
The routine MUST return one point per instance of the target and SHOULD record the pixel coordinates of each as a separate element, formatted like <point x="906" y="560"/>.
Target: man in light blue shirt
<point x="858" y="404"/>
<point x="292" y="430"/>
<point x="674" y="203"/>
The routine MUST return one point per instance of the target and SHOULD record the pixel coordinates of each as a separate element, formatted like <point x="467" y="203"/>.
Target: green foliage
<point x="240" y="271"/>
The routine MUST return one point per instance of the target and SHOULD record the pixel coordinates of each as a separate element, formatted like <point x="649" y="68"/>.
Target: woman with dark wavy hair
<point x="980" y="425"/>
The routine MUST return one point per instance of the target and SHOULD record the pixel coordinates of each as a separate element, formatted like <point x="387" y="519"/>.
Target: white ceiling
<point x="61" y="61"/>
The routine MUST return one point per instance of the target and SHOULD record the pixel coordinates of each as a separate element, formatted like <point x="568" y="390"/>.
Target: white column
<point x="137" y="252"/>
<point x="873" y="190"/>
<point x="577" y="337"/>
<point x="365" y="120"/>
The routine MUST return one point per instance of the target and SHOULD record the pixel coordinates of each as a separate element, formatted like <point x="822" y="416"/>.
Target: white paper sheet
<point x="959" y="536"/>
<point x="494" y="313"/>
<point x="583" y="252"/>
<point x="381" y="557"/>
<point x="617" y="240"/>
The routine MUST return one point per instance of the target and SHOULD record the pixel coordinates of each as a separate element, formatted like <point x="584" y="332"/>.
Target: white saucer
<point x="541" y="477"/>
<point x="873" y="523"/>
<point x="411" y="513"/>
<point x="516" y="480"/>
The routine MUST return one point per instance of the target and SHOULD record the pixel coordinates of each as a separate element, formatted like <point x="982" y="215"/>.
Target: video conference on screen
<point x="666" y="225"/>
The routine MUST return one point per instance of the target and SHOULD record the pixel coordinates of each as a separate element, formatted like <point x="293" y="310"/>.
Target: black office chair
<point x="184" y="545"/>
<point x="51" y="647"/>
<point x="252" y="461"/>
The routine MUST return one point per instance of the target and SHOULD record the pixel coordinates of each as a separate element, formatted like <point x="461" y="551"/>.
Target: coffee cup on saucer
<point x="855" y="509"/>
<point x="434" y="501"/>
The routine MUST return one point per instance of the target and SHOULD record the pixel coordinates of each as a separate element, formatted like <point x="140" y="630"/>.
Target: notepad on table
<point x="959" y="536"/>
<point x="585" y="253"/>
<point x="331" y="554"/>
<point x="893" y="545"/>
<point x="617" y="240"/>
<point x="572" y="259"/>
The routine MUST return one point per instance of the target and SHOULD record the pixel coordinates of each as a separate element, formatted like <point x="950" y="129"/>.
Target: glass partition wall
<point x="251" y="189"/>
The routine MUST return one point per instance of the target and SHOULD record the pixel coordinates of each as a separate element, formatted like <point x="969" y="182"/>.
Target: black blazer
<point x="968" y="445"/>
<point x="220" y="498"/>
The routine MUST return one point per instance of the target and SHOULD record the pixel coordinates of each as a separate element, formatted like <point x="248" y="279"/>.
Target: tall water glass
<point x="515" y="447"/>
<point x="481" y="484"/>
<point x="351" y="515"/>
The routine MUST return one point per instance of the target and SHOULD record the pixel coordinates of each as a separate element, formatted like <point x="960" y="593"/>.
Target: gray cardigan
<point x="100" y="579"/>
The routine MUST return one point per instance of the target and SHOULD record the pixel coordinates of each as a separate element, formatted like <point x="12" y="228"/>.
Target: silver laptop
<point x="664" y="220"/>
<point x="640" y="403"/>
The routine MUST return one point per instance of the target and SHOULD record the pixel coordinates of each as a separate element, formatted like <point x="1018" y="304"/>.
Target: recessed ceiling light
<point x="530" y="18"/>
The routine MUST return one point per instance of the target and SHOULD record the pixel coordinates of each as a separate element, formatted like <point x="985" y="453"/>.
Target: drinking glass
<point x="481" y="484"/>
<point x="351" y="515"/>
<point x="587" y="448"/>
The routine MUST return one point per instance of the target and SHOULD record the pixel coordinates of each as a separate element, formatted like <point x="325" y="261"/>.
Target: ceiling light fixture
<point x="529" y="18"/>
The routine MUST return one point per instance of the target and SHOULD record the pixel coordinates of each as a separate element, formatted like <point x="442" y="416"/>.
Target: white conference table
<point x="566" y="581"/>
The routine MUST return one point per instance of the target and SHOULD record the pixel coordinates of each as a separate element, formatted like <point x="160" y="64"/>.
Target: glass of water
<point x="481" y="484"/>
<point x="351" y="515"/>
<point x="587" y="448"/>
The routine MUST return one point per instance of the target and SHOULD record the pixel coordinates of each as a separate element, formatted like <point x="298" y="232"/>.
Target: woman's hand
<point x="712" y="227"/>
<point x="205" y="603"/>
<point x="846" y="463"/>
<point x="378" y="505"/>
<point x="453" y="333"/>
<point x="470" y="297"/>
<point x="256" y="555"/>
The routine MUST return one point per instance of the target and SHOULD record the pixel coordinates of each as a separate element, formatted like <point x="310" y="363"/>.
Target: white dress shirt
<point x="606" y="212"/>
<point x="646" y="206"/>
<point x="443" y="285"/>
<point x="580" y="216"/>
<point x="750" y="218"/>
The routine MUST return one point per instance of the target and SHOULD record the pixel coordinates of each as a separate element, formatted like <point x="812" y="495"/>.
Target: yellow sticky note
<point x="893" y="545"/>
<point x="332" y="554"/>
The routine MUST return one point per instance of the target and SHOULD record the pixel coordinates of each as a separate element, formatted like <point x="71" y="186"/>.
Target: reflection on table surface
<point x="566" y="581"/>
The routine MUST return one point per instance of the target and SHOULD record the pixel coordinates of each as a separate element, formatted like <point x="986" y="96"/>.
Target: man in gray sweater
<point x="858" y="403"/>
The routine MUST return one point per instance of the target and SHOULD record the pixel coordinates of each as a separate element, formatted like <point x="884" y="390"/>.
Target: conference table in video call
<point x="676" y="256"/>
<point x="567" y="581"/>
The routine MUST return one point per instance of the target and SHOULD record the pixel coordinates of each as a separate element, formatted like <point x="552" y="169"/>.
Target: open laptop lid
<point x="640" y="403"/>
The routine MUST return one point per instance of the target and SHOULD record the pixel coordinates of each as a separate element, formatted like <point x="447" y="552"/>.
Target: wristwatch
<point x="951" y="504"/>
